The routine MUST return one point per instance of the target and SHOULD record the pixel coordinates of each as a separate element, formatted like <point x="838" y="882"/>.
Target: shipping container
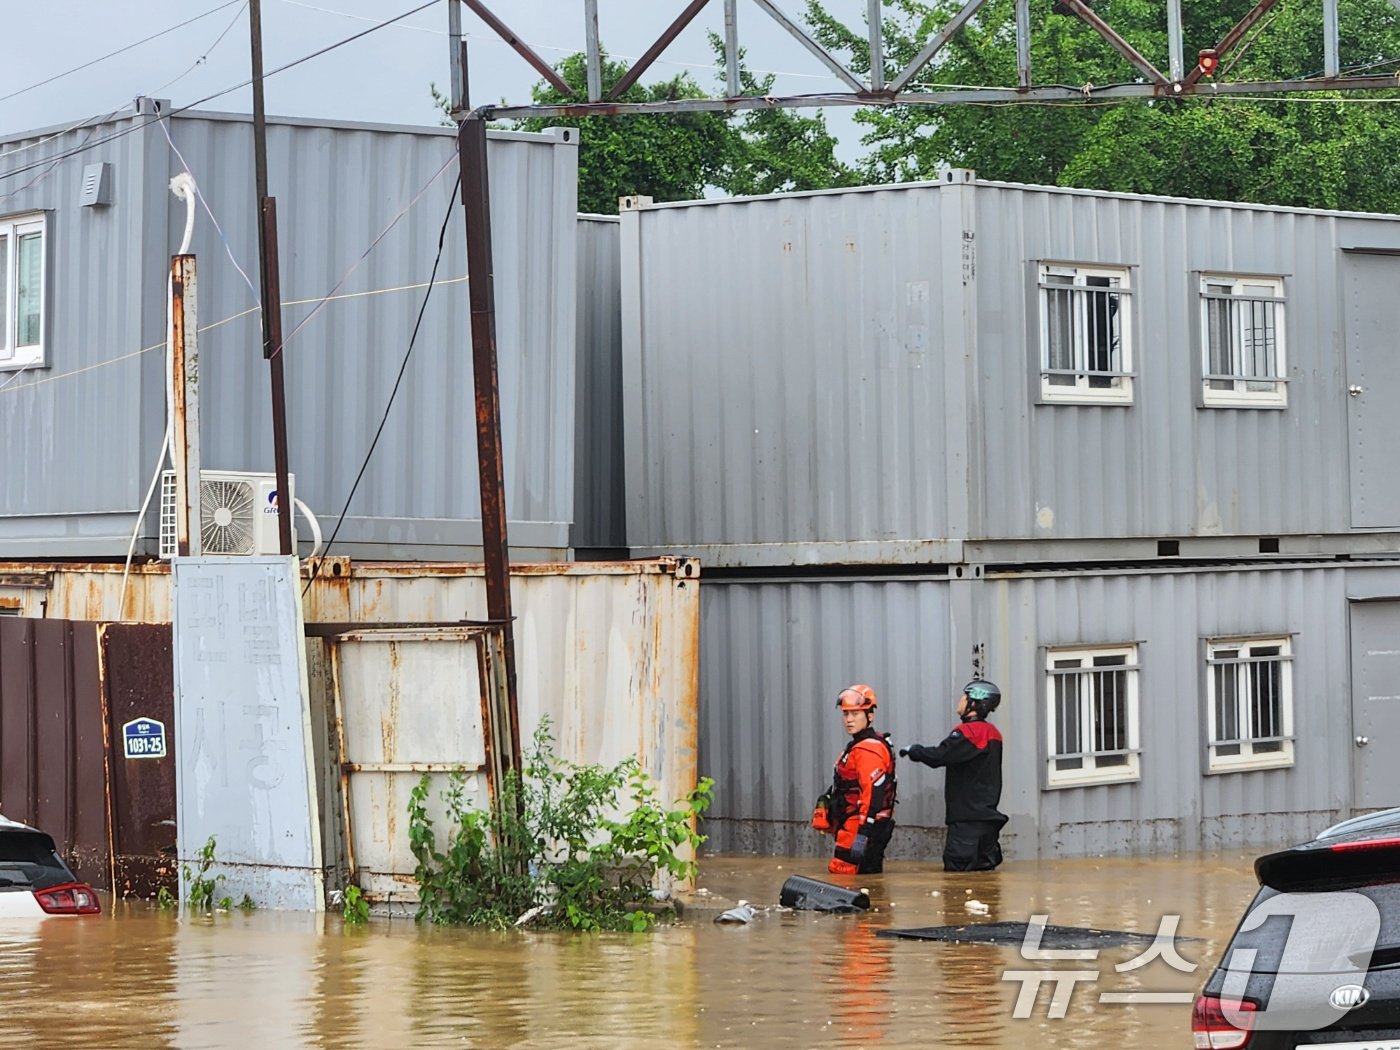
<point x="1145" y="710"/>
<point x="362" y="209"/>
<point x="970" y="371"/>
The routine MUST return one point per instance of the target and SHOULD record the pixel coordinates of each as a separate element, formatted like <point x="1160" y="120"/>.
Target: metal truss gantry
<point x="881" y="89"/>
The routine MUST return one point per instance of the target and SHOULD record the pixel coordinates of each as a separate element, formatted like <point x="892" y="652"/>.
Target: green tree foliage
<point x="1300" y="150"/>
<point x="679" y="156"/>
<point x="778" y="150"/>
<point x="667" y="157"/>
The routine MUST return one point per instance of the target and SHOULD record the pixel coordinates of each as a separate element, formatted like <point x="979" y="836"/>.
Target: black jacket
<point x="972" y="753"/>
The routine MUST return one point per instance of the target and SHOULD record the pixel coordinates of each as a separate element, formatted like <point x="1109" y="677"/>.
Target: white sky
<point x="383" y="77"/>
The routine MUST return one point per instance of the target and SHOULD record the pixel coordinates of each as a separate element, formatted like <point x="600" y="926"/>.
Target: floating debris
<point x="737" y="916"/>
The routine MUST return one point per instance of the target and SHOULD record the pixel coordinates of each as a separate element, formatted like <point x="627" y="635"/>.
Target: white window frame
<point x="1255" y="383"/>
<point x="1252" y="745"/>
<point x="1083" y="294"/>
<point x="12" y="228"/>
<point x="1084" y="666"/>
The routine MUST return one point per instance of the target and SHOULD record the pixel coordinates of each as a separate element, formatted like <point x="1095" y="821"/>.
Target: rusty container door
<point x="408" y="704"/>
<point x="138" y="679"/>
<point x="52" y="768"/>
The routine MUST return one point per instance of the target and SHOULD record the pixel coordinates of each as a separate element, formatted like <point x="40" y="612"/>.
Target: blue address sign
<point x="144" y="738"/>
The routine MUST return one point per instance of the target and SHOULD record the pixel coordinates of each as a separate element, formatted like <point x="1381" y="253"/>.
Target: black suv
<point x="1315" y="962"/>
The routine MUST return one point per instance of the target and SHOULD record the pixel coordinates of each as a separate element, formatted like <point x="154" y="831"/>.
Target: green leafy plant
<point x="550" y="850"/>
<point x="247" y="904"/>
<point x="355" y="909"/>
<point x="166" y="900"/>
<point x="201" y="887"/>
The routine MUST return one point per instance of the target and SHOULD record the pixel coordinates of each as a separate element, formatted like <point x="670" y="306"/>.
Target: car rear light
<point x="1212" y="1027"/>
<point x="1347" y="847"/>
<point x="75" y="898"/>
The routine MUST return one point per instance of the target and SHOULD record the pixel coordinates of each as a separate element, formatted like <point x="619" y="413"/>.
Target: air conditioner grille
<point x="226" y="517"/>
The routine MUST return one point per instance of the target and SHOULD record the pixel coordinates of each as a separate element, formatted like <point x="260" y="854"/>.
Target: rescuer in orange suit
<point x="859" y="808"/>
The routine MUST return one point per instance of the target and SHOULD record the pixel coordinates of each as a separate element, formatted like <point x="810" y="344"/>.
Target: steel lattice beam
<point x="881" y="88"/>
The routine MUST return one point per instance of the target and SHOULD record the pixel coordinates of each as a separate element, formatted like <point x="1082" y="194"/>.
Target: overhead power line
<point x="119" y="51"/>
<point x="138" y="125"/>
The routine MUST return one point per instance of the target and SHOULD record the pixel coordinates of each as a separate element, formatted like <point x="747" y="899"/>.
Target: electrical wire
<point x="137" y="126"/>
<point x="207" y="52"/>
<point x="492" y="38"/>
<point x="119" y="51"/>
<point x="210" y="327"/>
<point x="228" y="248"/>
<point x="365" y="254"/>
<point x="403" y="367"/>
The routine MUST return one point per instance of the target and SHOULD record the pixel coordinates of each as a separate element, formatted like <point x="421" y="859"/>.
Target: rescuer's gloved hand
<point x="903" y="752"/>
<point x="858" y="847"/>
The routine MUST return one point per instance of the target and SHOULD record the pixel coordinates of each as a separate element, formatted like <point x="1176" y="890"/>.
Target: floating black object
<point x="806" y="894"/>
<point x="1014" y="933"/>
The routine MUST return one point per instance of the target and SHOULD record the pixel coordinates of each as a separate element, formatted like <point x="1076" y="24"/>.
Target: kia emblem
<point x="1349" y="996"/>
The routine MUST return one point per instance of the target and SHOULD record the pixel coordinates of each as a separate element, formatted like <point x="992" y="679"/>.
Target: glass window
<point x="23" y="268"/>
<point x="1086" y="352"/>
<point x="1092" y="715"/>
<point x="1250" y="703"/>
<point x="1242" y="321"/>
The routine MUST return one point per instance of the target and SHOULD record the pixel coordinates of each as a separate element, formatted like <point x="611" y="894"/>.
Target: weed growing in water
<point x="202" y="887"/>
<point x="551" y="849"/>
<point x="355" y="910"/>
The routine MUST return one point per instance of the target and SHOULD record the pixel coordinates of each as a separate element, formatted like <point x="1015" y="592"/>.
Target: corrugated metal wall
<point x="338" y="186"/>
<point x="774" y="654"/>
<point x="783" y="375"/>
<point x="599" y="466"/>
<point x="807" y="382"/>
<point x="1175" y="805"/>
<point x="1099" y="471"/>
<point x="87" y="437"/>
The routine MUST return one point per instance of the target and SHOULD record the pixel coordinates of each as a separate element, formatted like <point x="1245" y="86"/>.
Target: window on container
<point x="1085" y="334"/>
<point x="1092" y="716"/>
<point x="1242" y="320"/>
<point x="23" y="266"/>
<point x="1249" y="704"/>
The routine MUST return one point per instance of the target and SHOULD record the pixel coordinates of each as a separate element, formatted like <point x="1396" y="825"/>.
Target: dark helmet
<point x="983" y="696"/>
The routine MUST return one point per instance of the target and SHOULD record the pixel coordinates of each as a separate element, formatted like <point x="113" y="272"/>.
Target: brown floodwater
<point x="139" y="977"/>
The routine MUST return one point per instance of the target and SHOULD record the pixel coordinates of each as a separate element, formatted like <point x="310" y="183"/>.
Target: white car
<point x="34" y="881"/>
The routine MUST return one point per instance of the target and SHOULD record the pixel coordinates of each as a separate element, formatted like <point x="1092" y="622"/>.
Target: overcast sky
<point x="382" y="77"/>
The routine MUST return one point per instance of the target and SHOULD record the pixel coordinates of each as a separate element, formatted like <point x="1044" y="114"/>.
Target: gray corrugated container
<point x="774" y="654"/>
<point x="338" y="186"/>
<point x="599" y="504"/>
<point x="853" y="376"/>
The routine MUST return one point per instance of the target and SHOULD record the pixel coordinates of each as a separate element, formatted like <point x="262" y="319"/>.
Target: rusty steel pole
<point x="184" y="454"/>
<point x="271" y="291"/>
<point x="476" y="201"/>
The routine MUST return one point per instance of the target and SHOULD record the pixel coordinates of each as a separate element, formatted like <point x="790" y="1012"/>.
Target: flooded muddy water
<point x="139" y="977"/>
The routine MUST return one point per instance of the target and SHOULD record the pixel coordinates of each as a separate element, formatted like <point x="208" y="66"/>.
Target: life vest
<point x="863" y="783"/>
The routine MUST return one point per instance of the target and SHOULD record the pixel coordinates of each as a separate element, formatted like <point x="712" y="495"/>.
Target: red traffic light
<point x="1208" y="61"/>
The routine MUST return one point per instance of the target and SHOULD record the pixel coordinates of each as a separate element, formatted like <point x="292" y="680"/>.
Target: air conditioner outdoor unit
<point x="237" y="513"/>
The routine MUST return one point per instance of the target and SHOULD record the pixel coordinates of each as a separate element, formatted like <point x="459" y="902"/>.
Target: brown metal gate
<point x="139" y="686"/>
<point x="67" y="687"/>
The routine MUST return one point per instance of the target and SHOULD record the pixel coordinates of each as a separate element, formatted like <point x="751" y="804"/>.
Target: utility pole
<point x="476" y="202"/>
<point x="270" y="284"/>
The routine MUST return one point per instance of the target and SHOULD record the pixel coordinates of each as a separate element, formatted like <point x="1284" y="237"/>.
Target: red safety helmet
<point x="856" y="698"/>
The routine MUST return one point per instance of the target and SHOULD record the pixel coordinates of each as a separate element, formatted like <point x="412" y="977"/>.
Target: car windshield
<point x="28" y="862"/>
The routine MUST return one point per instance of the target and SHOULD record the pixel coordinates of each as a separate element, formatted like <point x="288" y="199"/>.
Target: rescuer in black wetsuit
<point x="972" y="754"/>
